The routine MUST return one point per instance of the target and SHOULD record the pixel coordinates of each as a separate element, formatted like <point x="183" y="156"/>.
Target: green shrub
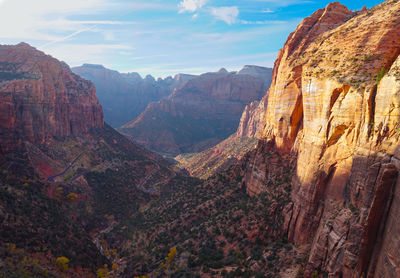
<point x="380" y="75"/>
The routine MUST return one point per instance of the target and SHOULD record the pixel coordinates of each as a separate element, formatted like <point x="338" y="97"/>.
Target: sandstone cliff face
<point x="329" y="106"/>
<point x="41" y="98"/>
<point x="201" y="114"/>
<point x="252" y="121"/>
<point x="125" y="95"/>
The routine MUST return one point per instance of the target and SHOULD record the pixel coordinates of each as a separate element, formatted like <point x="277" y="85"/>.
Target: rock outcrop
<point x="201" y="114"/>
<point x="41" y="98"/>
<point x="251" y="122"/>
<point x="334" y="105"/>
<point x="125" y="95"/>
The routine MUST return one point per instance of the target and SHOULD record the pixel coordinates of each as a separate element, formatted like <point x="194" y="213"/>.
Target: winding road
<point x="52" y="178"/>
<point x="141" y="185"/>
<point x="153" y="186"/>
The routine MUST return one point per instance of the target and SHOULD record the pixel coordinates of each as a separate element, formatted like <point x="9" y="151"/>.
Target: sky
<point x="157" y="37"/>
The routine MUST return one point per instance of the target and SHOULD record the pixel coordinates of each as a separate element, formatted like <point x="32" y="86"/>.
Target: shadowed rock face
<point x="220" y="157"/>
<point x="125" y="95"/>
<point x="41" y="98"/>
<point x="201" y="114"/>
<point x="330" y="106"/>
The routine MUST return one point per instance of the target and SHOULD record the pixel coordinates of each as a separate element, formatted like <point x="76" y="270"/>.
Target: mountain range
<point x="125" y="95"/>
<point x="202" y="113"/>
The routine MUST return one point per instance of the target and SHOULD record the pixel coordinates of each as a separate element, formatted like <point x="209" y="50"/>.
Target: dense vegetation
<point x="211" y="228"/>
<point x="121" y="205"/>
<point x="36" y="229"/>
<point x="44" y="220"/>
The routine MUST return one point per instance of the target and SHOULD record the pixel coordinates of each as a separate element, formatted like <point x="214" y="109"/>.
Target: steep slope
<point x="230" y="151"/>
<point x="65" y="182"/>
<point x="215" y="229"/>
<point x="333" y="105"/>
<point x="218" y="158"/>
<point x="125" y="95"/>
<point x="201" y="114"/>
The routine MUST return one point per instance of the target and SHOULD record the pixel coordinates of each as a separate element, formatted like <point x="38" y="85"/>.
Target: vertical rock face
<point x="334" y="104"/>
<point x="252" y="121"/>
<point x="41" y="98"/>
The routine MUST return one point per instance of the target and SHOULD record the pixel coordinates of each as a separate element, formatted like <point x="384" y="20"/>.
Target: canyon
<point x="124" y="96"/>
<point x="230" y="151"/>
<point x="202" y="113"/>
<point x="335" y="113"/>
<point x="298" y="181"/>
<point x="65" y="174"/>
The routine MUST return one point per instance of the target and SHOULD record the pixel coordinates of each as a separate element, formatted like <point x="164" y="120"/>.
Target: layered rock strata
<point x="334" y="104"/>
<point x="41" y="98"/>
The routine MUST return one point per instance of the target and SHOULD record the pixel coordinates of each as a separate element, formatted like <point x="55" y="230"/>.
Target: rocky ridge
<point x="125" y="95"/>
<point x="200" y="114"/>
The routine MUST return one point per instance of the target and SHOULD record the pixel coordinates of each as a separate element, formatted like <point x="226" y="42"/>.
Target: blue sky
<point x="158" y="37"/>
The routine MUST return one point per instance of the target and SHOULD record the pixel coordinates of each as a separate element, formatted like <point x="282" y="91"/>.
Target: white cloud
<point x="44" y="19"/>
<point x="267" y="11"/>
<point x="147" y="57"/>
<point x="227" y="14"/>
<point x="50" y="21"/>
<point x="69" y="36"/>
<point x="191" y="6"/>
<point x="78" y="54"/>
<point x="195" y="16"/>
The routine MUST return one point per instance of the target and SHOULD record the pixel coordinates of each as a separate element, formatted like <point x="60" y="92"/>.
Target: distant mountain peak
<point x="24" y="44"/>
<point x="125" y="95"/>
<point x="223" y="70"/>
<point x="93" y="66"/>
<point x="150" y="78"/>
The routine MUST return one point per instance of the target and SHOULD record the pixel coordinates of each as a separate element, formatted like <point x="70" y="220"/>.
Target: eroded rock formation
<point x="334" y="104"/>
<point x="41" y="98"/>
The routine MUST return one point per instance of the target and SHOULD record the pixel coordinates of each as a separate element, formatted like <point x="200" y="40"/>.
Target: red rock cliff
<point x="41" y="98"/>
<point x="334" y="104"/>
